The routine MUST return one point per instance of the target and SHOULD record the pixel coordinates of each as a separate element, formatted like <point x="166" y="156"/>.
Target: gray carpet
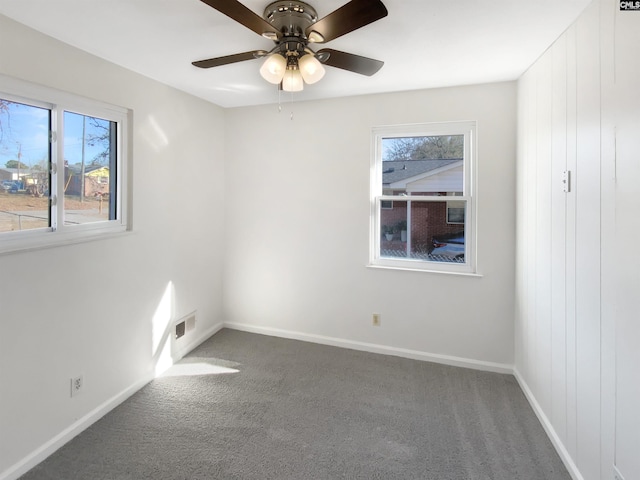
<point x="270" y="408"/>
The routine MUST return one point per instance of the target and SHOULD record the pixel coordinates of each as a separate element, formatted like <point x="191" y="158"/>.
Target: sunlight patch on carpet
<point x="200" y="366"/>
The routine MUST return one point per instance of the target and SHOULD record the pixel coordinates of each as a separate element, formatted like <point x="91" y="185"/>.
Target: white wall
<point x="577" y="332"/>
<point x="89" y="308"/>
<point x="298" y="227"/>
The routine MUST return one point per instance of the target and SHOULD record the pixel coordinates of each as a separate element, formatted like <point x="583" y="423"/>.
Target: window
<point x="422" y="206"/>
<point x="62" y="167"/>
<point x="455" y="213"/>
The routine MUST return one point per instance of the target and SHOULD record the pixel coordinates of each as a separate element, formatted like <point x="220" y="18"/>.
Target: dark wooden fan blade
<point x="243" y="15"/>
<point x="349" y="17"/>
<point x="238" y="57"/>
<point x="349" y="61"/>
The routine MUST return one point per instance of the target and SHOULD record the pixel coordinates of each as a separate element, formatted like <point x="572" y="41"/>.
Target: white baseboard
<point x="375" y="348"/>
<point x="193" y="343"/>
<point x="42" y="452"/>
<point x="430" y="357"/>
<point x="77" y="427"/>
<point x="548" y="428"/>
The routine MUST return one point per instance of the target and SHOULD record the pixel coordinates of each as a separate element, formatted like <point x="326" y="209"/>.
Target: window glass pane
<point x="427" y="165"/>
<point x="420" y="231"/>
<point x="90" y="169"/>
<point x="393" y="222"/>
<point x="24" y="166"/>
<point x="432" y="234"/>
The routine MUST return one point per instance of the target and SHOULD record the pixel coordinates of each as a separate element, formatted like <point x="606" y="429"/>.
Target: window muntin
<point x="66" y="216"/>
<point x="418" y="170"/>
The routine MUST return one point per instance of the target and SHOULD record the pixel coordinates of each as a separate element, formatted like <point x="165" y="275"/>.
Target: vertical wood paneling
<point x="587" y="194"/>
<point x="542" y="227"/>
<point x="570" y="248"/>
<point x="563" y="240"/>
<point x="627" y="233"/>
<point x="530" y="233"/>
<point x="558" y="239"/>
<point x="583" y="242"/>
<point x="609" y="242"/>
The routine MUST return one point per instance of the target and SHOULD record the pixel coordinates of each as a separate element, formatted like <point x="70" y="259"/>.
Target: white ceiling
<point x="424" y="43"/>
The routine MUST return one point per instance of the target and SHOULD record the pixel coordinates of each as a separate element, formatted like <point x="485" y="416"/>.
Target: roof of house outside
<point x="396" y="171"/>
<point x="87" y="169"/>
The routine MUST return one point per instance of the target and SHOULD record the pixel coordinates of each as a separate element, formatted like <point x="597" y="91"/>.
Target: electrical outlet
<point x="376" y="320"/>
<point x="616" y="474"/>
<point x="76" y="385"/>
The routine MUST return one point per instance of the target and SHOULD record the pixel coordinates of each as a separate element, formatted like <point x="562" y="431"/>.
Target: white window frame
<point x="59" y="102"/>
<point x="466" y="128"/>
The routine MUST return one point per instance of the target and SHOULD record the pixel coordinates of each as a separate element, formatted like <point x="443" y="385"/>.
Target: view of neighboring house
<point x="96" y="180"/>
<point x="423" y="177"/>
<point x="433" y="177"/>
<point x="34" y="181"/>
<point x="12" y="174"/>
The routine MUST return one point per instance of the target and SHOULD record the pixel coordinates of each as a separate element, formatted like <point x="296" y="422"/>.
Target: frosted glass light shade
<point x="273" y="68"/>
<point x="292" y="81"/>
<point x="311" y="69"/>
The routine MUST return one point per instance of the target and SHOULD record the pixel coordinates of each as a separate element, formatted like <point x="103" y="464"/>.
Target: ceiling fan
<point x="293" y="25"/>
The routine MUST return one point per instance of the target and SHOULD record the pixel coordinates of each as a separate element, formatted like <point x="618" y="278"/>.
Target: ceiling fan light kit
<point x="311" y="69"/>
<point x="292" y="81"/>
<point x="273" y="68"/>
<point x="293" y="25"/>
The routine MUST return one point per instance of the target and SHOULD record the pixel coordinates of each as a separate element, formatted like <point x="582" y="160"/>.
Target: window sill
<point x="42" y="243"/>
<point x="424" y="270"/>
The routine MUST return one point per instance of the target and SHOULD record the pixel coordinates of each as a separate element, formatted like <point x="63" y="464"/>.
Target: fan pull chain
<point x="280" y="102"/>
<point x="291" y="102"/>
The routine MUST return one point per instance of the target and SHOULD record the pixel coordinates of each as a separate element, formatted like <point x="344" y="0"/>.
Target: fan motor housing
<point x="291" y="18"/>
